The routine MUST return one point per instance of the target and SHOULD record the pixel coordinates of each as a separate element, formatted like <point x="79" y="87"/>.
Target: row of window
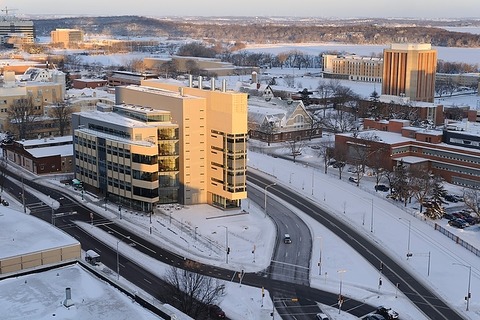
<point x="451" y="156"/>
<point x="86" y="157"/>
<point x="86" y="173"/>
<point x="120" y="168"/>
<point x="119" y="184"/>
<point x="120" y="152"/>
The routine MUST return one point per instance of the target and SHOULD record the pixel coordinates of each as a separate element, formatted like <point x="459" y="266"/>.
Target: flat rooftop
<point x="40" y="296"/>
<point x="22" y="234"/>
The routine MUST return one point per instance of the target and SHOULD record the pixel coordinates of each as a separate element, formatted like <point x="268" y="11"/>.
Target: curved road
<point x="152" y="284"/>
<point x="425" y="299"/>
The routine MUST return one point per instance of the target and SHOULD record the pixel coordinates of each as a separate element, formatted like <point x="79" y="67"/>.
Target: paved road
<point x="425" y="299"/>
<point x="152" y="284"/>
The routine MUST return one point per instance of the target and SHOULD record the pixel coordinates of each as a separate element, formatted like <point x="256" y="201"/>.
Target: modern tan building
<point x="409" y="71"/>
<point x="66" y="37"/>
<point x="212" y="135"/>
<point x="355" y="68"/>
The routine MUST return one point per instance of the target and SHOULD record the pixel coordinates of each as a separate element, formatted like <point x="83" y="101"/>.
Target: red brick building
<point x="455" y="158"/>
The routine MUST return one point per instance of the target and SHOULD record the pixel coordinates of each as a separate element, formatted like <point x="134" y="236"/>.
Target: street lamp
<point x="409" y="254"/>
<point x="227" y="249"/>
<point x="320" y="257"/>
<point x="371" y="219"/>
<point x="469" y="294"/>
<point x="340" y="297"/>
<point x="265" y="196"/>
<point x="290" y="179"/>
<point x="118" y="261"/>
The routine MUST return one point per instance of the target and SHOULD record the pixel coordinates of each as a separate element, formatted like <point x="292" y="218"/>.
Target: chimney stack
<point x="190" y="80"/>
<point x="224" y="85"/>
<point x="200" y="84"/>
<point x="68" y="302"/>
<point x="213" y="83"/>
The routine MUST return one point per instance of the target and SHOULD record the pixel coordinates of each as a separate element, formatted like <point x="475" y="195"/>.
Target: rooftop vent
<point x="68" y="302"/>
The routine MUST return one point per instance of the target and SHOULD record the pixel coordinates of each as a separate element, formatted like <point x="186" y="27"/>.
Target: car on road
<point x="321" y="316"/>
<point x="381" y="187"/>
<point x="387" y="313"/>
<point x="374" y="317"/>
<point x="287" y="239"/>
<point x="215" y="312"/>
<point x="458" y="223"/>
<point x="353" y="179"/>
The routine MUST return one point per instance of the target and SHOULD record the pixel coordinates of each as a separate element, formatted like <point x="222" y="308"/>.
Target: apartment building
<point x="409" y="71"/>
<point x="351" y="67"/>
<point x="68" y="38"/>
<point x="212" y="135"/>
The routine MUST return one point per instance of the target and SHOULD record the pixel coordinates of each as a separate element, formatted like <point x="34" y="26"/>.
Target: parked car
<point x="374" y="317"/>
<point x="215" y="311"/>
<point x="458" y="223"/>
<point x="450" y="198"/>
<point x="387" y="313"/>
<point x="381" y="187"/>
<point x="321" y="316"/>
<point x="5" y="203"/>
<point x="338" y="164"/>
<point x="353" y="179"/>
<point x="448" y="216"/>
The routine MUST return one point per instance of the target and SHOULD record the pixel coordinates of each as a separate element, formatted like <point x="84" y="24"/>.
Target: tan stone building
<point x="41" y="93"/>
<point x="355" y="68"/>
<point x="165" y="143"/>
<point x="409" y="71"/>
<point x="212" y="132"/>
<point x="66" y="37"/>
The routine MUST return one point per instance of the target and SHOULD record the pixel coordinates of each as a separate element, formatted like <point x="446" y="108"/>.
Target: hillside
<point x="268" y="30"/>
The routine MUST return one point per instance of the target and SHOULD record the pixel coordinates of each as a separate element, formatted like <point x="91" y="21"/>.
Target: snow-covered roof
<point x="45" y="141"/>
<point x="63" y="151"/>
<point x="22" y="234"/>
<point x="42" y="295"/>
<point x="412" y="159"/>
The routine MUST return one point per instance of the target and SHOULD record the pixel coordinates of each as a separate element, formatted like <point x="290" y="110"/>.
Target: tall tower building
<point x="409" y="71"/>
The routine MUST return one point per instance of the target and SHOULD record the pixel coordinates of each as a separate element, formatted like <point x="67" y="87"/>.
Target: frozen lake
<point x="466" y="55"/>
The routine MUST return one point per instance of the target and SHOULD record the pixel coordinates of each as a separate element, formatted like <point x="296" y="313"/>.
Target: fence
<point x="458" y="240"/>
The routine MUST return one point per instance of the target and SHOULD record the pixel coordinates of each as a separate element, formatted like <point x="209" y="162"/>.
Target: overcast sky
<point x="299" y="8"/>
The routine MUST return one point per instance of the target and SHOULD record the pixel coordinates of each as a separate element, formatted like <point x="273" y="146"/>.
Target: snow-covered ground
<point x="199" y="233"/>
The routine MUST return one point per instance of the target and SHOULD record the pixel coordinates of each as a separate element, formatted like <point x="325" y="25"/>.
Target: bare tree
<point x="341" y="157"/>
<point x="22" y="115"/>
<point x="325" y="150"/>
<point x="3" y="172"/>
<point x="421" y="183"/>
<point x="191" y="292"/>
<point x="472" y="200"/>
<point x="62" y="113"/>
<point x="295" y="147"/>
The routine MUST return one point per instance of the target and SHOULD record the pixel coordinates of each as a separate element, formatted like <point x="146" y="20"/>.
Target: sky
<point x="300" y="8"/>
<point x="251" y="230"/>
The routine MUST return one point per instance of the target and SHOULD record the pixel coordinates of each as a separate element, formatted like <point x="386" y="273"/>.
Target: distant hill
<point x="268" y="30"/>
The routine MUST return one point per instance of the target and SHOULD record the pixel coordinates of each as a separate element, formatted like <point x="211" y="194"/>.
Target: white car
<point x="321" y="316"/>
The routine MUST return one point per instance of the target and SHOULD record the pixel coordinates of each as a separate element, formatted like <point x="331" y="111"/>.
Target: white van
<point x="287" y="239"/>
